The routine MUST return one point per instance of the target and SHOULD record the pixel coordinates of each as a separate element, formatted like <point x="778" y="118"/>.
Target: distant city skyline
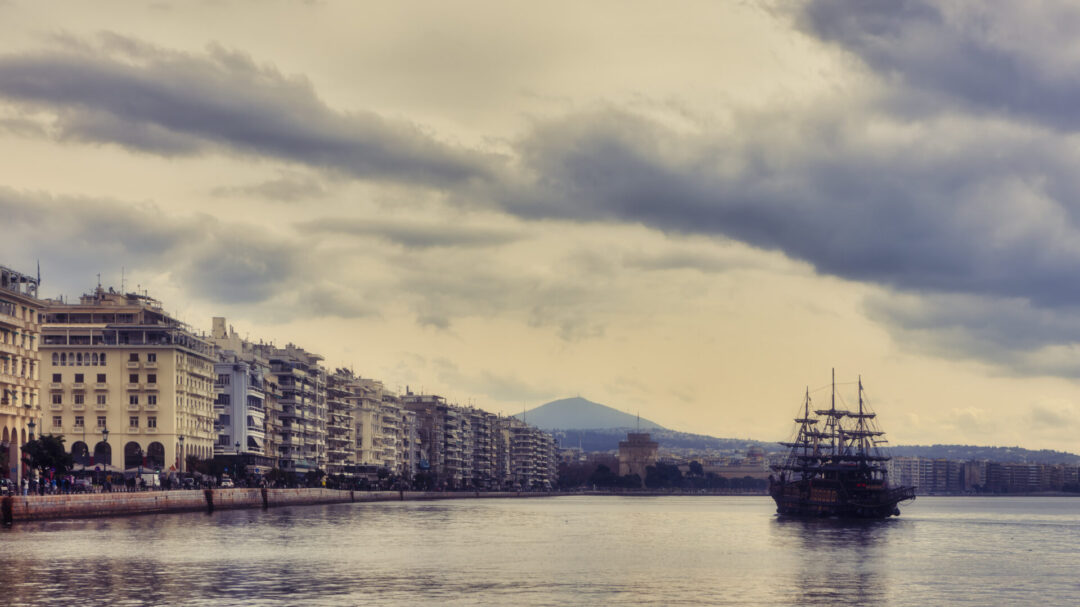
<point x="693" y="213"/>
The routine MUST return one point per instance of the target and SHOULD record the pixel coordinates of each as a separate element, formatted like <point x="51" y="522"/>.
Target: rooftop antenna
<point x="39" y="272"/>
<point x="122" y="283"/>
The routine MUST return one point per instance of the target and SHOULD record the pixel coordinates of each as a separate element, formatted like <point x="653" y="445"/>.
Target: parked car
<point x="226" y="482"/>
<point x="82" y="485"/>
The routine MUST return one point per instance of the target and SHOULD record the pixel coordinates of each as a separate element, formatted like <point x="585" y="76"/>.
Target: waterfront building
<point x="246" y="404"/>
<point x="432" y="421"/>
<point x="484" y="430"/>
<point x="20" y="367"/>
<point x="128" y="384"/>
<point x="303" y="411"/>
<point x="636" y="453"/>
<point x="532" y="456"/>
<point x="341" y="453"/>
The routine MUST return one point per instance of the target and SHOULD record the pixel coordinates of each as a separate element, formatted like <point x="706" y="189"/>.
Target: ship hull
<point x="815" y="500"/>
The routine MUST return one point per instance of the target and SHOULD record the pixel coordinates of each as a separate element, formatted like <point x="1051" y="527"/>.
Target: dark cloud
<point x="411" y="234"/>
<point x="987" y="212"/>
<point x="1009" y="333"/>
<point x="129" y="93"/>
<point x="287" y="188"/>
<point x="224" y="263"/>
<point x="1017" y="58"/>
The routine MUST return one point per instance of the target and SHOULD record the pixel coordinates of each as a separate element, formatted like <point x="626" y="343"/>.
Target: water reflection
<point x="842" y="562"/>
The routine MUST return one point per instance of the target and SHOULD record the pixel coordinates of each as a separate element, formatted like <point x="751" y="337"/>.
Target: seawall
<point x="34" y="507"/>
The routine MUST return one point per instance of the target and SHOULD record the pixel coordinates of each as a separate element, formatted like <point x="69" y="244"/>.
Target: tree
<point x="696" y="469"/>
<point x="663" y="476"/>
<point x="603" y="477"/>
<point x="48" y="453"/>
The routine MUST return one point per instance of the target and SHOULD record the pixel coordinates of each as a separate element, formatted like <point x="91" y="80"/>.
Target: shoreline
<point x="19" y="509"/>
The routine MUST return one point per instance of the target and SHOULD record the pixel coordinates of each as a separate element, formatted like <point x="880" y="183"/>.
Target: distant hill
<point x="608" y="440"/>
<point x="580" y="413"/>
<point x="994" y="454"/>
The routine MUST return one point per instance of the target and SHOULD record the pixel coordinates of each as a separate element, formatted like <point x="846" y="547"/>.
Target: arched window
<point x="155" y="455"/>
<point x="95" y="359"/>
<point x="63" y="359"/>
<point x="80" y="453"/>
<point x="133" y="455"/>
<point x="103" y="359"/>
<point x="78" y="359"/>
<point x="102" y="454"/>
<point x="55" y="359"/>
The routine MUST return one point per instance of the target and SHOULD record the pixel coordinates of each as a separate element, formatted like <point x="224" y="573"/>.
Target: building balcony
<point x="150" y="430"/>
<point x="56" y="386"/>
<point x="132" y="364"/>
<point x="151" y="407"/>
<point x="132" y="407"/>
<point x="78" y="406"/>
<point x="78" y="385"/>
<point x="134" y="386"/>
<point x="133" y="430"/>
<point x="56" y="407"/>
<point x="56" y="429"/>
<point x="101" y="386"/>
<point x="150" y="364"/>
<point x="101" y="406"/>
<point x="151" y="386"/>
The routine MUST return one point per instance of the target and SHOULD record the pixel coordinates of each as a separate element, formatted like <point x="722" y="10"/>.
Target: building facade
<point x="127" y="384"/>
<point x="20" y="368"/>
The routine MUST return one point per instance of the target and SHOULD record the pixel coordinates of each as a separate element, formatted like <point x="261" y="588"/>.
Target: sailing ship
<point x="835" y="466"/>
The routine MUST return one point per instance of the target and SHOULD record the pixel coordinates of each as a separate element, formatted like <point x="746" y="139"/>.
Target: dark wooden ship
<point x="835" y="467"/>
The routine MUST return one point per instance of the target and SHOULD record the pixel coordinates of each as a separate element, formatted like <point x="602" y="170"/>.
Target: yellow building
<point x="20" y="406"/>
<point x="126" y="384"/>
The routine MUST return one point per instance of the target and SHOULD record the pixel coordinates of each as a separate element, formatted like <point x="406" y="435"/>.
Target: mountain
<point x="579" y="413"/>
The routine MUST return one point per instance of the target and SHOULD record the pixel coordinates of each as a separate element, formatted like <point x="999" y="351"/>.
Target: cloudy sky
<point x="693" y="213"/>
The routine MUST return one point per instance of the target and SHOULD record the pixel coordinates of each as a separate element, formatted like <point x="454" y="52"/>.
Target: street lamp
<point x="181" y="455"/>
<point x="105" y="454"/>
<point x="30" y="424"/>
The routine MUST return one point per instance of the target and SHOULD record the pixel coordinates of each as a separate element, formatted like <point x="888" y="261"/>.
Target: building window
<point x="79" y="377"/>
<point x="151" y="421"/>
<point x="101" y="399"/>
<point x="134" y="357"/>
<point x="133" y="399"/>
<point x="133" y="421"/>
<point x="57" y="421"/>
<point x="79" y="398"/>
<point x="133" y="378"/>
<point x="151" y="357"/>
<point x="78" y="359"/>
<point x="55" y="359"/>
<point x="151" y="378"/>
<point x="100" y="378"/>
<point x="101" y="421"/>
<point x="63" y="359"/>
<point x="102" y="359"/>
<point x="151" y="399"/>
<point x="56" y="378"/>
<point x="78" y="421"/>
<point x="95" y="359"/>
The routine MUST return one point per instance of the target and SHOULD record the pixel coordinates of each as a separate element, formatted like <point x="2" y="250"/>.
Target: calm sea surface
<point x="555" y="551"/>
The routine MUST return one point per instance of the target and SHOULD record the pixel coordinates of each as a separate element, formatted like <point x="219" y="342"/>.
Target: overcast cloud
<point x="917" y="157"/>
